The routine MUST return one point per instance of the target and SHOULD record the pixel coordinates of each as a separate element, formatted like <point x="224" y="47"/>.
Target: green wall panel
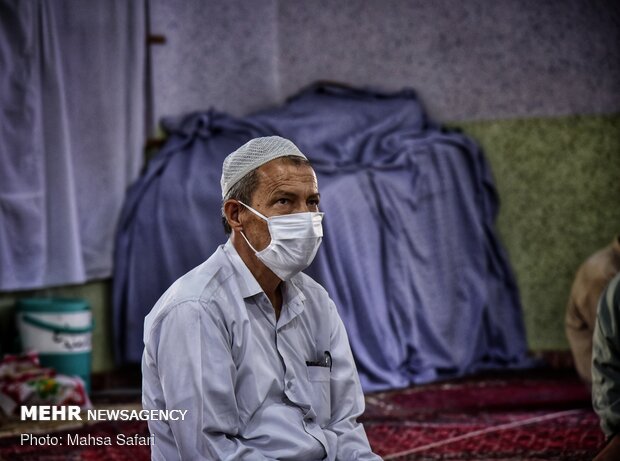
<point x="559" y="184"/>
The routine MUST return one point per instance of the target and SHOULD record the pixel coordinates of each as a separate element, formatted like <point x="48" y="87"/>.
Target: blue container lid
<point x="52" y="305"/>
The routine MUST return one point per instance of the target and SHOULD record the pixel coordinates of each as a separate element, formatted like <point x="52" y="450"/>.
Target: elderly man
<point x="606" y="369"/>
<point x="250" y="346"/>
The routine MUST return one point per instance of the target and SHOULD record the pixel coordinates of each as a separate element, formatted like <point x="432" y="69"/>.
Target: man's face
<point x="283" y="188"/>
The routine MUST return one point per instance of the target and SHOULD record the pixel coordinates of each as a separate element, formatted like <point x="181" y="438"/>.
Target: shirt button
<point x="289" y="384"/>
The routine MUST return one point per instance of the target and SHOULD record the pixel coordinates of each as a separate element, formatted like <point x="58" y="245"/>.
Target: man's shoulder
<point x="202" y="281"/>
<point x="196" y="288"/>
<point x="600" y="263"/>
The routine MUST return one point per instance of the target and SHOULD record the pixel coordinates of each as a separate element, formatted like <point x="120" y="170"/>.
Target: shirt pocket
<point x="319" y="378"/>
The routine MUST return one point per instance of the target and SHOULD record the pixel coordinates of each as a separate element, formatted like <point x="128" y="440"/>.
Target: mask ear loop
<point x="262" y="216"/>
<point x="257" y="214"/>
<point x="248" y="242"/>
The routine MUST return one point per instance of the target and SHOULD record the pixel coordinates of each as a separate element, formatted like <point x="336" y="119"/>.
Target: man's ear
<point x="232" y="208"/>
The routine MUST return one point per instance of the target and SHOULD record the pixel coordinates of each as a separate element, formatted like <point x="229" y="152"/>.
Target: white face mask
<point x="295" y="239"/>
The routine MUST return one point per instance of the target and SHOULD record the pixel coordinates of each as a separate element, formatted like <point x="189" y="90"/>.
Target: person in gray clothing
<point x="606" y="368"/>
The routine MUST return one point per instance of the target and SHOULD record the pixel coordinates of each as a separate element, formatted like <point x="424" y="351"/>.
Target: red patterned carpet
<point x="509" y="418"/>
<point x="544" y="417"/>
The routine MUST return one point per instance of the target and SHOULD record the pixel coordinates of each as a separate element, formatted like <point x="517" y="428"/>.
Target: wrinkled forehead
<point x="287" y="174"/>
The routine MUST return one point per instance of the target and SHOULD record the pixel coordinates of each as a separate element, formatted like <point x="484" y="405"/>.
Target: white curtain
<point x="71" y="135"/>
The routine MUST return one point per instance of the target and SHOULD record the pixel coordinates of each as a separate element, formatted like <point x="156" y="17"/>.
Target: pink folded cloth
<point x="23" y="381"/>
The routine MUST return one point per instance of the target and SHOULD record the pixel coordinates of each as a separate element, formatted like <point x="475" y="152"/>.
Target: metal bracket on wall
<point x="154" y="39"/>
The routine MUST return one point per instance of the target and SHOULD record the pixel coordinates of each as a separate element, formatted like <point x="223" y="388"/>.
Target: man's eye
<point x="282" y="201"/>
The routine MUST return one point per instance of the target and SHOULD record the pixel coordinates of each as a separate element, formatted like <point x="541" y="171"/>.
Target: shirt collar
<point x="248" y="286"/>
<point x="292" y="294"/>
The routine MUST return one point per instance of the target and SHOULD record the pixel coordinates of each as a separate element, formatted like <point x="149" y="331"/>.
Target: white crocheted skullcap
<point x="253" y="154"/>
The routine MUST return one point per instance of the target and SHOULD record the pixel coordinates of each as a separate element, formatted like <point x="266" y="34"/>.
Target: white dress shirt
<point x="255" y="388"/>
